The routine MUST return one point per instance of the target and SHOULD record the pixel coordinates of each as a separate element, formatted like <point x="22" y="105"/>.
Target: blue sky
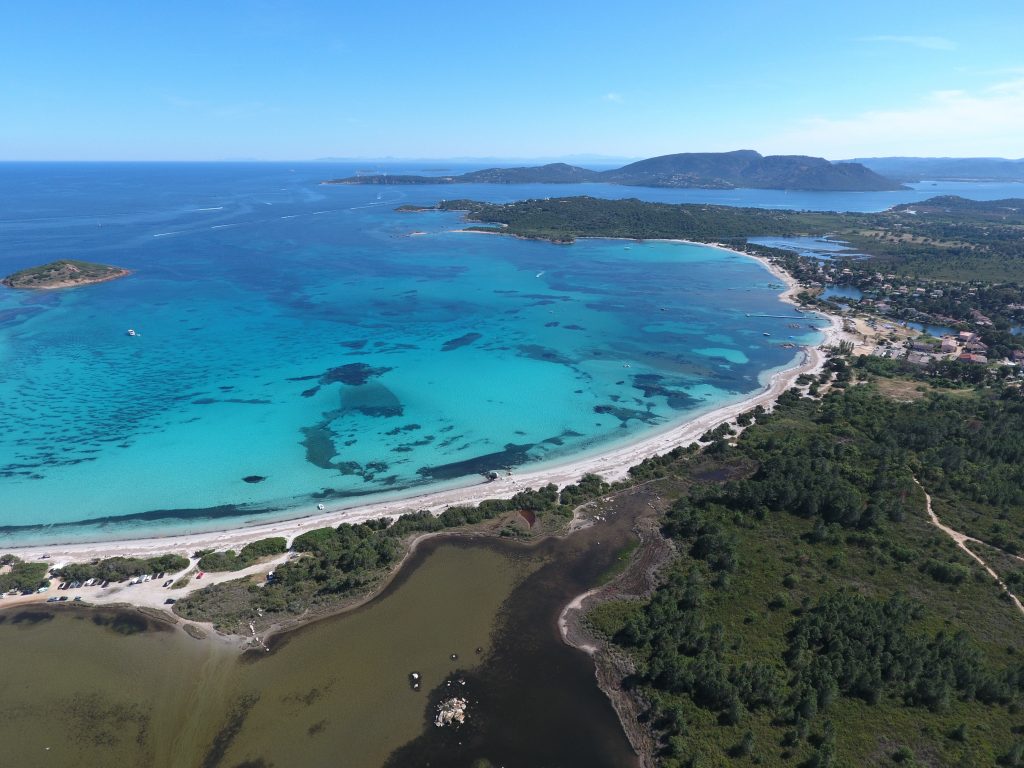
<point x="304" y="79"/>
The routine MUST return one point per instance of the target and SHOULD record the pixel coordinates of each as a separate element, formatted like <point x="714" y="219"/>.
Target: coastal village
<point x="891" y="316"/>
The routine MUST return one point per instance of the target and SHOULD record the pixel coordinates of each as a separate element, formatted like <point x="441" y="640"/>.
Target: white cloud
<point x="612" y="96"/>
<point x="957" y="123"/>
<point x="917" y="41"/>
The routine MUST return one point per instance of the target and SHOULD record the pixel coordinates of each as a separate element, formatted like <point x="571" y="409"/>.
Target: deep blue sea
<point x="298" y="344"/>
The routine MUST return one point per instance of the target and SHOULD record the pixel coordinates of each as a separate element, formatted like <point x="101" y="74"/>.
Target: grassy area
<point x="621" y="562"/>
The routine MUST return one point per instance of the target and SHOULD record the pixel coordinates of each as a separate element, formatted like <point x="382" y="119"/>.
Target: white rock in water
<point x="450" y="712"/>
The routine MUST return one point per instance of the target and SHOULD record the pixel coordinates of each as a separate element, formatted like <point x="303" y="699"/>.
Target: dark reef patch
<point x="409" y="447"/>
<point x="625" y="415"/>
<point x="651" y="384"/>
<point x="463" y="341"/>
<point x="513" y="455"/>
<point x="211" y="401"/>
<point x="371" y="400"/>
<point x="319" y="445"/>
<point x="449" y="441"/>
<point x="353" y="374"/>
<point x="357" y="344"/>
<point x="191" y="513"/>
<point x="548" y="355"/>
<point x="400" y="430"/>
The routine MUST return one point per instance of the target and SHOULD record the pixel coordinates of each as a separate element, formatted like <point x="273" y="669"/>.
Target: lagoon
<point x="132" y="691"/>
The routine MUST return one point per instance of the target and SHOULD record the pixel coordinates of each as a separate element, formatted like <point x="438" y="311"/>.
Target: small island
<point x="66" y="273"/>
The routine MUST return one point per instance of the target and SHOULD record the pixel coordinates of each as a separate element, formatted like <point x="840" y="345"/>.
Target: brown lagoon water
<point x="97" y="688"/>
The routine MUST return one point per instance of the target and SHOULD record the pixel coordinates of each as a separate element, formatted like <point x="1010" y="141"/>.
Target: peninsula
<point x="743" y="168"/>
<point x="66" y="273"/>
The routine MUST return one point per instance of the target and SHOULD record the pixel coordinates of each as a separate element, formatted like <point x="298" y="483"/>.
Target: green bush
<point x="121" y="568"/>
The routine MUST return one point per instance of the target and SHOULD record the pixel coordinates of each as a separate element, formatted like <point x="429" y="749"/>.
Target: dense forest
<point x="812" y="616"/>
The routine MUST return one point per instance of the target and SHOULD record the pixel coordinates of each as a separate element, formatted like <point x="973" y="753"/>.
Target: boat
<point x="766" y="334"/>
<point x="131" y="332"/>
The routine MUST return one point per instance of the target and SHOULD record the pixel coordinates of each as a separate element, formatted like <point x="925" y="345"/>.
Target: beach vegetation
<point x="21" y="576"/>
<point x="249" y="554"/>
<point x="121" y="568"/>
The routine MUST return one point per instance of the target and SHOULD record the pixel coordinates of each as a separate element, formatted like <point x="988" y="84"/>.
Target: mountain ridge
<point x="911" y="169"/>
<point x="706" y="170"/>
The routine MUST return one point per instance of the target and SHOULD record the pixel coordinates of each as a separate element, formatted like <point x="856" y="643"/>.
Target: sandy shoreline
<point x="611" y="465"/>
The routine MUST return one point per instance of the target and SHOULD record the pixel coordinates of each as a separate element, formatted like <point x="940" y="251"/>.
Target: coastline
<point x="612" y="465"/>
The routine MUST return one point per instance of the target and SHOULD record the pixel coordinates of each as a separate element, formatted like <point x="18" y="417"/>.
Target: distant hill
<point x="66" y="273"/>
<point x="944" y="168"/>
<point x="708" y="170"/>
<point x="553" y="173"/>
<point x="1007" y="211"/>
<point x="746" y="168"/>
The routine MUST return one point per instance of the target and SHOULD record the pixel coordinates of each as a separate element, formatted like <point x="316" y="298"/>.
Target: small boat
<point x="131" y="332"/>
<point x="766" y="334"/>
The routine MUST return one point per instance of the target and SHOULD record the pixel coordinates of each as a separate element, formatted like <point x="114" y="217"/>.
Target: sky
<point x="309" y="79"/>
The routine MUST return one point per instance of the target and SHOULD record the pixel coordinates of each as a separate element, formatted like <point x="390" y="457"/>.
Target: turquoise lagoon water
<point x="299" y="345"/>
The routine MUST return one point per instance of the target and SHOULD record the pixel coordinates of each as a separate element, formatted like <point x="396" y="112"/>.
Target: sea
<point x="298" y="344"/>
